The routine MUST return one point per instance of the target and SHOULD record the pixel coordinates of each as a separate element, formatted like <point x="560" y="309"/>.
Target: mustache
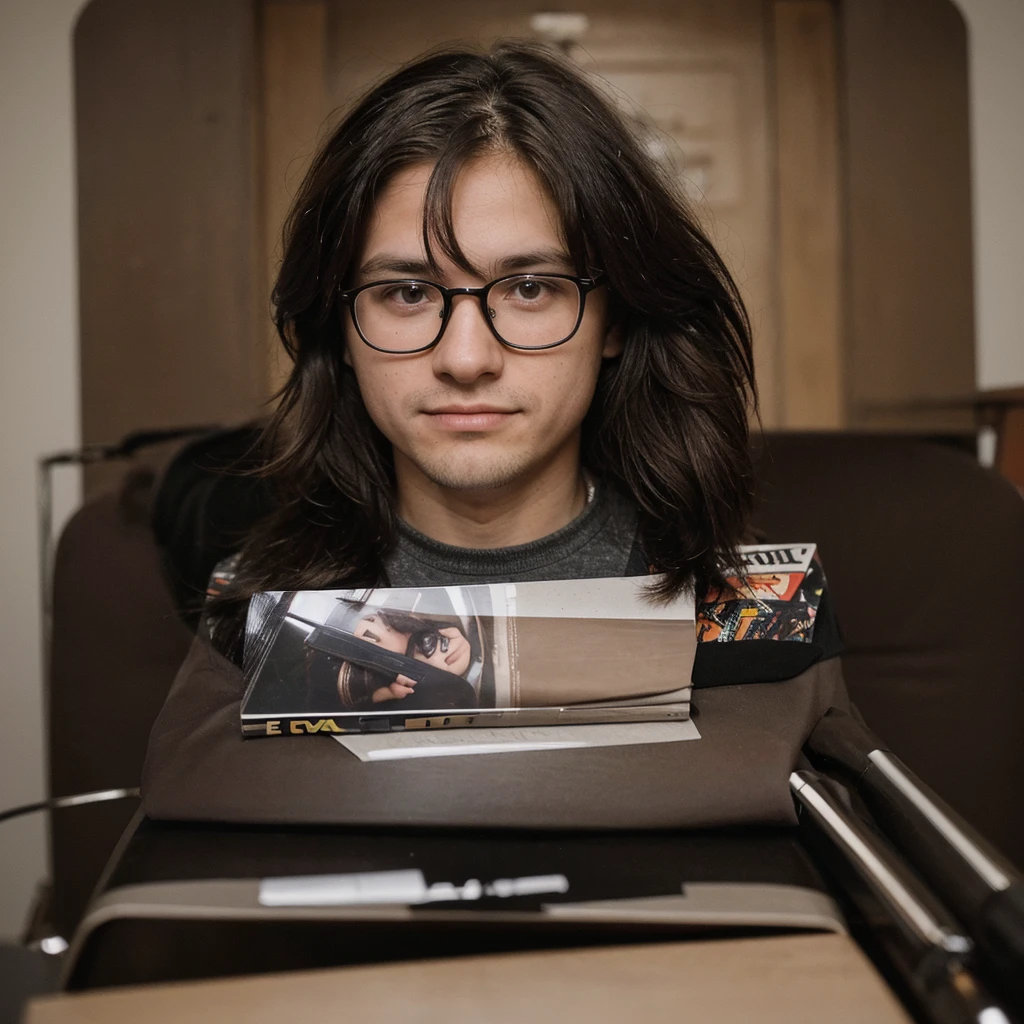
<point x="435" y="398"/>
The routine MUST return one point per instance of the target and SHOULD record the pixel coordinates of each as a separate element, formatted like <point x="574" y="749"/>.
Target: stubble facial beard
<point x="459" y="470"/>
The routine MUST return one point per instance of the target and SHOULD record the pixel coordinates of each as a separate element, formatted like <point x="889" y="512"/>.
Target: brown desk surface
<point x="788" y="979"/>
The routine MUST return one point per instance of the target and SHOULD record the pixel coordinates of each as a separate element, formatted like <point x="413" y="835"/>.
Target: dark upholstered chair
<point x="116" y="645"/>
<point x="924" y="551"/>
<point x="924" y="554"/>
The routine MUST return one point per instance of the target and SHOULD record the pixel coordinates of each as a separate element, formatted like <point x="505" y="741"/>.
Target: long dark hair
<point x="668" y="423"/>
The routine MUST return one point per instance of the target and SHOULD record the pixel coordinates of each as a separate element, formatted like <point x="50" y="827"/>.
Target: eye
<point x="398" y="298"/>
<point x="528" y="290"/>
<point x="535" y="292"/>
<point x="401" y="294"/>
<point x="409" y="294"/>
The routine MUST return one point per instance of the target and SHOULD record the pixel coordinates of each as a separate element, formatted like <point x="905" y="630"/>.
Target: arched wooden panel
<point x="909" y="283"/>
<point x="170" y="273"/>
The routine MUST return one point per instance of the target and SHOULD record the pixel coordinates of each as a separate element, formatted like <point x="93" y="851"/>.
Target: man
<point x="516" y="357"/>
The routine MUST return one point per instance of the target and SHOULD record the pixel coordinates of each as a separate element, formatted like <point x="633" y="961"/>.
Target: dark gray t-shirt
<point x="597" y="543"/>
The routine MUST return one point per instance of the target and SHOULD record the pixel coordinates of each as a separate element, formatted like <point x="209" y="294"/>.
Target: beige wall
<point x="38" y="348"/>
<point x="38" y="387"/>
<point x="995" y="35"/>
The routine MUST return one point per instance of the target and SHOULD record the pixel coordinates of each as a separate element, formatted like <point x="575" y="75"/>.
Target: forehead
<point x="499" y="207"/>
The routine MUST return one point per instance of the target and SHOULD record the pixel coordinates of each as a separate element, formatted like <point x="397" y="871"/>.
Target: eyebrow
<point x="390" y="263"/>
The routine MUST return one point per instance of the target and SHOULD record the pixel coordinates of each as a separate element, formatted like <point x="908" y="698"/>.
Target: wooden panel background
<point x="809" y="231"/>
<point x="293" y="105"/>
<point x="168" y="241"/>
<point x="909" y="273"/>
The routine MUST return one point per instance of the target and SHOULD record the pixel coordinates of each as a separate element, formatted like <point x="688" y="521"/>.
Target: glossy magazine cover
<point x="357" y="660"/>
<point x="773" y="595"/>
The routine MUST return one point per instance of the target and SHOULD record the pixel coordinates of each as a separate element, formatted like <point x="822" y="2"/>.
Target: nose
<point x="467" y="349"/>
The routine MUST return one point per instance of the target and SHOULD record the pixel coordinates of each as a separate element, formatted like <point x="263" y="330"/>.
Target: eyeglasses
<point x="428" y="641"/>
<point x="524" y="311"/>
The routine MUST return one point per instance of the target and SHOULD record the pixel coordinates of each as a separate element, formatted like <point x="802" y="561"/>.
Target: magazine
<point x="557" y="652"/>
<point x="773" y="595"/>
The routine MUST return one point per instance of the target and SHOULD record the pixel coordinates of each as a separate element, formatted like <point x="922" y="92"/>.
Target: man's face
<point x="471" y="414"/>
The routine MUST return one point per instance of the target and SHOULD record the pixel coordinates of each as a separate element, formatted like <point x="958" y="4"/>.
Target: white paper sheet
<point x="392" y="746"/>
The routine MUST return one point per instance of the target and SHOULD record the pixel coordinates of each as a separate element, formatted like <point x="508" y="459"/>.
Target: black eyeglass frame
<point x="584" y="285"/>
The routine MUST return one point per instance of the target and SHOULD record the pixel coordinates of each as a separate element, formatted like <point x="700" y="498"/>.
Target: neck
<point x="511" y="513"/>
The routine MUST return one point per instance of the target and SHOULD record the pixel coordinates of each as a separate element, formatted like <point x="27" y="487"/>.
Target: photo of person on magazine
<point x="443" y="645"/>
<point x="373" y="650"/>
<point x="447" y="647"/>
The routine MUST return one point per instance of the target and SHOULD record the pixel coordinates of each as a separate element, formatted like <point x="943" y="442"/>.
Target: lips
<point x="470" y="417"/>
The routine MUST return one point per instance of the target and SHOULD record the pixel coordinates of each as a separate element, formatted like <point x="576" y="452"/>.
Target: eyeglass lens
<point x="528" y="312"/>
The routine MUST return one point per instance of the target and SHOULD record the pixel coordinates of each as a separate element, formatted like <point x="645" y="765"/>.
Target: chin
<point x="476" y="472"/>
